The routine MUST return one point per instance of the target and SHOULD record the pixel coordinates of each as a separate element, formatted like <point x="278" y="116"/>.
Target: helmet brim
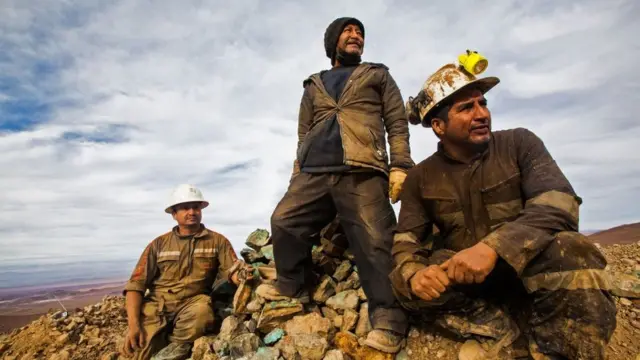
<point x="484" y="84"/>
<point x="169" y="210"/>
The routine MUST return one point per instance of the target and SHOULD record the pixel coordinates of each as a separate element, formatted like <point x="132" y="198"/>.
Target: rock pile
<point x="331" y="327"/>
<point x="94" y="332"/>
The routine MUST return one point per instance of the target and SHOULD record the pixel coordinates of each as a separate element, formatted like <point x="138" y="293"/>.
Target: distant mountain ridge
<point x="623" y="234"/>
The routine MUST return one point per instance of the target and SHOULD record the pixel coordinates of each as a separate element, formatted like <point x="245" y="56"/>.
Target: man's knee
<point x="576" y="251"/>
<point x="569" y="253"/>
<point x="282" y="215"/>
<point x="194" y="320"/>
<point x="575" y="323"/>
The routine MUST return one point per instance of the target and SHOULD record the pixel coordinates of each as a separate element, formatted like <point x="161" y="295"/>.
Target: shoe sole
<point x="386" y="349"/>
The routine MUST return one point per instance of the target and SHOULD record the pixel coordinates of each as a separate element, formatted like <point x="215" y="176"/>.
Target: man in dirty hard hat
<point x="508" y="234"/>
<point x="178" y="269"/>
<point x="342" y="168"/>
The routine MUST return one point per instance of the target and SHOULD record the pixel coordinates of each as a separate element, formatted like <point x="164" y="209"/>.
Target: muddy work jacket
<point x="369" y="107"/>
<point x="513" y="197"/>
<point x="174" y="267"/>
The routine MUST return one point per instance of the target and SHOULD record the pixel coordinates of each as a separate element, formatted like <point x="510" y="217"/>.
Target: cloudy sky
<point x="107" y="105"/>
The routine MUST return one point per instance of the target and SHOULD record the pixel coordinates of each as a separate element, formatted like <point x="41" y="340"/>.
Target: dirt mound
<point x="331" y="328"/>
<point x="93" y="332"/>
<point x="623" y="234"/>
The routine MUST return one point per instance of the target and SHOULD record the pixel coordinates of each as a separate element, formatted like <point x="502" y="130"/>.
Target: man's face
<point x="469" y="119"/>
<point x="351" y="40"/>
<point x="188" y="214"/>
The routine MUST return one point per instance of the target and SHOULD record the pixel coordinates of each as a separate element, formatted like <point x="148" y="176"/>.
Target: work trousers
<point x="561" y="295"/>
<point x="361" y="202"/>
<point x="182" y="323"/>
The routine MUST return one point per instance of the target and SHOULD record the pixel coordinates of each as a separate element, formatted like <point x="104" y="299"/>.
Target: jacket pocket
<point x="204" y="260"/>
<point x="379" y="150"/>
<point x="502" y="190"/>
<point x="169" y="265"/>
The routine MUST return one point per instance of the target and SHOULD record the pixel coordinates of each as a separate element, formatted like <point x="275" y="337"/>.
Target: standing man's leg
<point x="303" y="211"/>
<point x="368" y="219"/>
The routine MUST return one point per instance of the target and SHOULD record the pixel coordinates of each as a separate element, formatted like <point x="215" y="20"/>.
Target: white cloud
<point x="192" y="89"/>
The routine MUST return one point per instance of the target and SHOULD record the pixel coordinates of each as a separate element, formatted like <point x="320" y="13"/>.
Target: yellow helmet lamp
<point x="473" y="62"/>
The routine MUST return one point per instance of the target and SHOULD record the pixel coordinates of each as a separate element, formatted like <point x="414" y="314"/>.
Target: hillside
<point x="253" y="328"/>
<point x="623" y="234"/>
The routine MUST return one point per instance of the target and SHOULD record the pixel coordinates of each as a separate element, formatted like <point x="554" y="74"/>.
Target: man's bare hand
<point x="471" y="265"/>
<point x="429" y="282"/>
<point x="135" y="340"/>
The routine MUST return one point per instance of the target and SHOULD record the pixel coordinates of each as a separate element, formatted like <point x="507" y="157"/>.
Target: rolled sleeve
<point x="396" y="124"/>
<point x="551" y="206"/>
<point x="144" y="271"/>
<point x="229" y="262"/>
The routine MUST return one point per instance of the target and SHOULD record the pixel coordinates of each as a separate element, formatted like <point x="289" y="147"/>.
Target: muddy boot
<point x="270" y="292"/>
<point x="384" y="340"/>
<point x="174" y="351"/>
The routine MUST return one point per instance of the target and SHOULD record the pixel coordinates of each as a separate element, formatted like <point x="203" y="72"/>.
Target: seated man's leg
<point x="154" y="326"/>
<point x="193" y="319"/>
<point x="305" y="208"/>
<point x="573" y="315"/>
<point x="463" y="311"/>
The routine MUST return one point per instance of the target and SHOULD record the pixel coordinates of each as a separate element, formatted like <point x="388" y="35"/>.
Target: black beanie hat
<point x="332" y="34"/>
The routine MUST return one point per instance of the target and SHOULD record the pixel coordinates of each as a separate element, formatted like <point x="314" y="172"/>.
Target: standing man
<point x="178" y="269"/>
<point x="342" y="167"/>
<point x="508" y="222"/>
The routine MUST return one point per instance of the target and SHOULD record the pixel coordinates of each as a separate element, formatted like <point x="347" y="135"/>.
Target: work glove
<point x="396" y="179"/>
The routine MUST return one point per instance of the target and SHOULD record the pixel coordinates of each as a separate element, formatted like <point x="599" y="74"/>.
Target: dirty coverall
<point x="179" y="272"/>
<point x="342" y="168"/>
<point x="514" y="198"/>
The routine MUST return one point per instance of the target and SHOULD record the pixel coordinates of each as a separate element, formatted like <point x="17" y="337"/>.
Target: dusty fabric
<point x="325" y="152"/>
<point x="514" y="198"/>
<point x="366" y="217"/>
<point x="370" y="107"/>
<point x="174" y="268"/>
<point x="574" y="323"/>
<point x="182" y="324"/>
<point x="179" y="272"/>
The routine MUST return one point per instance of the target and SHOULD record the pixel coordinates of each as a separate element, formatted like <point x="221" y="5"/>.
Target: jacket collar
<point x="443" y="153"/>
<point x="200" y="234"/>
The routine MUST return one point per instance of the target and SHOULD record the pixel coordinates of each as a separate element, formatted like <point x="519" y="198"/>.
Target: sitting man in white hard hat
<point x="178" y="269"/>
<point x="507" y="222"/>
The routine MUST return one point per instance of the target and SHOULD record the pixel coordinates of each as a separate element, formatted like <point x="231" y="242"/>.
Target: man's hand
<point x="244" y="273"/>
<point x="429" y="282"/>
<point x="396" y="179"/>
<point x="135" y="339"/>
<point x="471" y="265"/>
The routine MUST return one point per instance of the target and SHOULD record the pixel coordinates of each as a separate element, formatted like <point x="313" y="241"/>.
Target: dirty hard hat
<point x="332" y="34"/>
<point x="440" y="88"/>
<point x="185" y="193"/>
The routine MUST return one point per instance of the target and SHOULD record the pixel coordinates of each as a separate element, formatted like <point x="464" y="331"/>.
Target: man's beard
<point x="347" y="59"/>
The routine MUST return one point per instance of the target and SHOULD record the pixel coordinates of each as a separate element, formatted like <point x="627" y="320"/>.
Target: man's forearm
<point x="134" y="306"/>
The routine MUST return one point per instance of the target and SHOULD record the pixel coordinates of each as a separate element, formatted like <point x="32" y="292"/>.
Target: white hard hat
<point x="185" y="193"/>
<point x="440" y="87"/>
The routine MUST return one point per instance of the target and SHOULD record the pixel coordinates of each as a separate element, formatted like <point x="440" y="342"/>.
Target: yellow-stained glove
<point x="396" y="179"/>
